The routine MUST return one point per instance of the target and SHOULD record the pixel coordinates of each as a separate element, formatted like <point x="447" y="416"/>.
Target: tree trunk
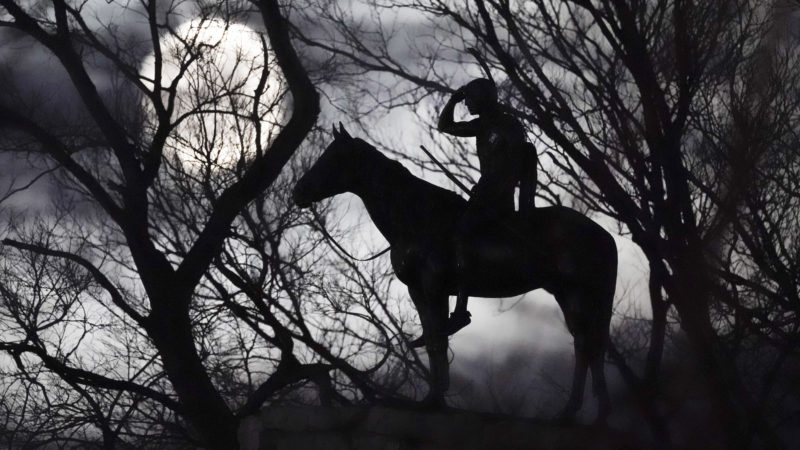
<point x="202" y="405"/>
<point x="731" y="411"/>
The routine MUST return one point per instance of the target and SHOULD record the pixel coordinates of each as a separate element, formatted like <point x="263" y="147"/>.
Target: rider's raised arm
<point x="448" y="125"/>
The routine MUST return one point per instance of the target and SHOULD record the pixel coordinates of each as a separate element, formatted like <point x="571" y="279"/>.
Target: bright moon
<point x="220" y="84"/>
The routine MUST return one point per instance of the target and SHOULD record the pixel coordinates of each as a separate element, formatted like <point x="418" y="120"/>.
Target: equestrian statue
<point x="443" y="245"/>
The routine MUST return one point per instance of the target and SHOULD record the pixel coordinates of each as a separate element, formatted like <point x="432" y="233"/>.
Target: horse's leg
<point x="578" y="382"/>
<point x="588" y="317"/>
<point x="437" y="350"/>
<point x="600" y="324"/>
<point x="432" y="310"/>
<point x="599" y="387"/>
<point x="571" y="302"/>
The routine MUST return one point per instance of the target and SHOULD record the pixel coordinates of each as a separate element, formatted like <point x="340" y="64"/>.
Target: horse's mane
<point x="396" y="170"/>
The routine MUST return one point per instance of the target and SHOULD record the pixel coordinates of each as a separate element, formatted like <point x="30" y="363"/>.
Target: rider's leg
<point x="460" y="317"/>
<point x="481" y="210"/>
<point x="461" y="304"/>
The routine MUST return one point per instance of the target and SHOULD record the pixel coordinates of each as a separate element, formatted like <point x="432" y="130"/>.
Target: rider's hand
<point x="458" y="95"/>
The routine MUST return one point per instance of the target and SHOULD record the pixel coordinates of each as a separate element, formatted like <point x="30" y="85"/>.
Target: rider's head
<point x="480" y="95"/>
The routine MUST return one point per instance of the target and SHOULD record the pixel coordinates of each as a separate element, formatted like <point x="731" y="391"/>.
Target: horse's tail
<point x="528" y="177"/>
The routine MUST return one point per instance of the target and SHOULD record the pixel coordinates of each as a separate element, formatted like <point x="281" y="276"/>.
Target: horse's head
<point x="333" y="173"/>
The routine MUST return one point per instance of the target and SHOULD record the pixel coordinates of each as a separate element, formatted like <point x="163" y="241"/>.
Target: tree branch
<point x="266" y="168"/>
<point x="102" y="280"/>
<point x="87" y="378"/>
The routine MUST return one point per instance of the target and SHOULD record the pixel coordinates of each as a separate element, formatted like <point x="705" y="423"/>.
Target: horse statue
<point x="555" y="248"/>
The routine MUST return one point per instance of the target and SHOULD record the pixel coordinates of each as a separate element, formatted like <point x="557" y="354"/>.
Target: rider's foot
<point x="457" y="321"/>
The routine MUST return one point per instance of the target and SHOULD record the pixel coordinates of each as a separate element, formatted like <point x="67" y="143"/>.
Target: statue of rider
<point x="506" y="159"/>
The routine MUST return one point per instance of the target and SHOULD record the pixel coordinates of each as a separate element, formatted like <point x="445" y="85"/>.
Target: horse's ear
<point x="344" y="132"/>
<point x="335" y="132"/>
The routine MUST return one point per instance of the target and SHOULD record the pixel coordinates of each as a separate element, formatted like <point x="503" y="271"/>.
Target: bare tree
<point x="162" y="298"/>
<point x="168" y="288"/>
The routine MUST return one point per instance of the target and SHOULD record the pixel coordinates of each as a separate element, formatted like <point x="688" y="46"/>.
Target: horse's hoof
<point x="601" y="421"/>
<point x="561" y="419"/>
<point x="566" y="416"/>
<point x="602" y="417"/>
